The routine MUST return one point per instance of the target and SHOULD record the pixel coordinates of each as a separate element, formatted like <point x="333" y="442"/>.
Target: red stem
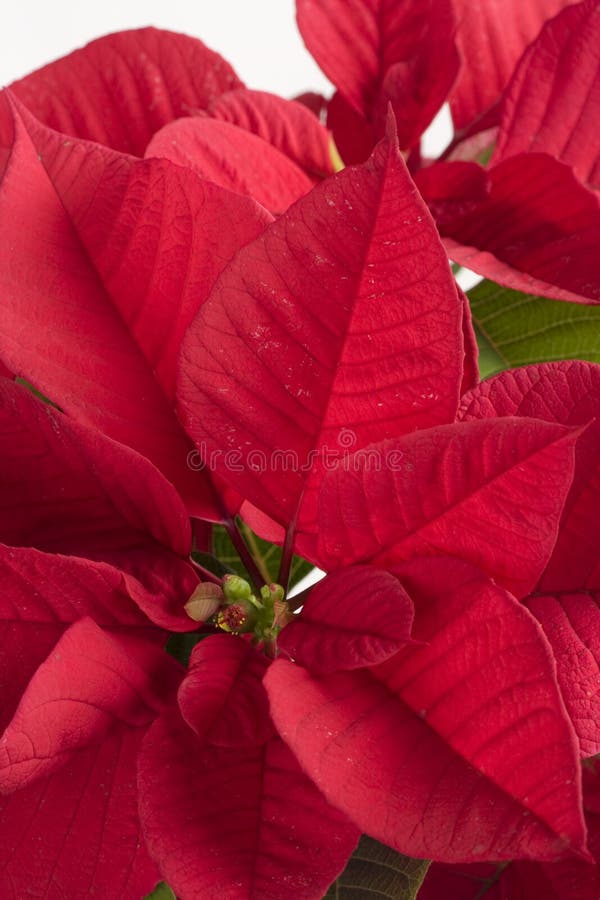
<point x="206" y="574"/>
<point x="244" y="554"/>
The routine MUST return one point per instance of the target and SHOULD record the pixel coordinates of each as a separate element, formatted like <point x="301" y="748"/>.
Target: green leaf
<point x="514" y="329"/>
<point x="267" y="556"/>
<point x="162" y="891"/>
<point x="210" y="562"/>
<point x="375" y="871"/>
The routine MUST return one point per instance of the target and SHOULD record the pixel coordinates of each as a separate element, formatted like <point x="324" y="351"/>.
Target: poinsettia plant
<point x="233" y="350"/>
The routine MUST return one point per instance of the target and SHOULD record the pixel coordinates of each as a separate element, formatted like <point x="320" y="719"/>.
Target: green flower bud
<point x="236" y="588"/>
<point x="272" y="593"/>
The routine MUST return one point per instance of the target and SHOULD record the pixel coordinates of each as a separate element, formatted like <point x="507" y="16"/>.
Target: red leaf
<point x="61" y="332"/>
<point x="458" y="748"/>
<point x="68" y="489"/>
<point x="317" y="103"/>
<point x="471" y="361"/>
<point x="353" y="43"/>
<point x="552" y="103"/>
<point x="568" y="393"/>
<point x="121" y="88"/>
<point x="477" y="490"/>
<point x="286" y="124"/>
<point x="43" y="592"/>
<point x="23" y="650"/>
<point x="95" y="492"/>
<point x="355" y="617"/>
<point x="157" y="235"/>
<point x="591" y="803"/>
<point x="354" y="135"/>
<point x="478" y="881"/>
<point x="571" y="623"/>
<point x="76" y="833"/>
<point x="49" y="587"/>
<point x="222" y="698"/>
<point x="570" y="879"/>
<point x="453" y="189"/>
<point x="90" y="684"/>
<point x="261" y="524"/>
<point x="491" y="38"/>
<point x="241" y="823"/>
<point x="234" y="159"/>
<point x="538" y="231"/>
<point x="520" y="880"/>
<point x="377" y="51"/>
<point x="339" y="326"/>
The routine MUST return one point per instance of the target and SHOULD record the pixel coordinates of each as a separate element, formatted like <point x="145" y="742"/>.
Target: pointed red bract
<point x="67" y="696"/>
<point x="136" y="579"/>
<point x="91" y="684"/>
<point x="46" y="456"/>
<point x="234" y="159"/>
<point x="101" y="502"/>
<point x="222" y="698"/>
<point x="48" y="587"/>
<point x="23" y="650"/>
<point x="491" y="37"/>
<point x="243" y="823"/>
<point x="60" y="331"/>
<point x="471" y="360"/>
<point x="77" y="833"/>
<point x="571" y="623"/>
<point x="520" y="880"/>
<point x="538" y="230"/>
<point x="339" y="326"/>
<point x="477" y="490"/>
<point x="377" y="51"/>
<point x="286" y="124"/>
<point x="568" y="393"/>
<point x="121" y="88"/>
<point x="453" y="189"/>
<point x="570" y="879"/>
<point x="566" y="599"/>
<point x="355" y="617"/>
<point x="157" y="235"/>
<point x="552" y="103"/>
<point x="458" y="747"/>
<point x="354" y="135"/>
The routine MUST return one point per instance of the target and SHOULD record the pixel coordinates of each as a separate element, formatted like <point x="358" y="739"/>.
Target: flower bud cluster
<point x="233" y="607"/>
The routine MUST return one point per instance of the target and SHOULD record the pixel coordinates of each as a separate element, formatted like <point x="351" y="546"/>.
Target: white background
<point x="258" y="37"/>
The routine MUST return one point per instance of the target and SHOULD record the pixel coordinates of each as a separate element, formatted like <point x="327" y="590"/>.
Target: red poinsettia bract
<point x="531" y="220"/>
<point x="84" y="674"/>
<point x="305" y="347"/>
<point x="439" y="687"/>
